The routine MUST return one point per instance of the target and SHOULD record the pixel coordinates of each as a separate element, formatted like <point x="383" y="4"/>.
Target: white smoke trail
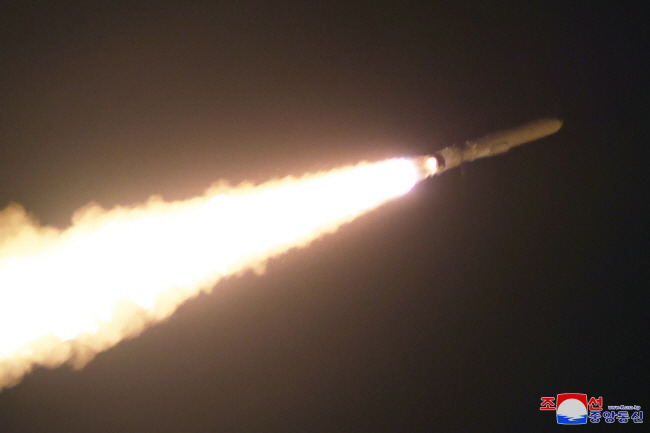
<point x="66" y="295"/>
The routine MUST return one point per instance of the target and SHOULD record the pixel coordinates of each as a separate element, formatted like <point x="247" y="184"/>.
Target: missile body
<point x="490" y="145"/>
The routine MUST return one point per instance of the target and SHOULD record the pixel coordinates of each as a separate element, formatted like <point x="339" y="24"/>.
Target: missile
<point x="490" y="145"/>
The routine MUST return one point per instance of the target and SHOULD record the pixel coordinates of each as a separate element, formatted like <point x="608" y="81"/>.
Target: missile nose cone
<point x="555" y="125"/>
<point x="501" y="141"/>
<point x="543" y="127"/>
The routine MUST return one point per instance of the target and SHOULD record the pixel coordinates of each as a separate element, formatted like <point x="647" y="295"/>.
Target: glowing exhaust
<point x="66" y="295"/>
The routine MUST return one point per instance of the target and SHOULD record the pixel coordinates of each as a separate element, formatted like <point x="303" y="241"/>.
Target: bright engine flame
<point x="431" y="165"/>
<point x="67" y="295"/>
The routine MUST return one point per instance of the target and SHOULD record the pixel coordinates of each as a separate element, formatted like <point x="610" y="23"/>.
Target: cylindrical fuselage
<point x="490" y="145"/>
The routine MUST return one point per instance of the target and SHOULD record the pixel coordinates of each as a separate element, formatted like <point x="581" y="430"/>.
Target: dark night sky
<point x="455" y="308"/>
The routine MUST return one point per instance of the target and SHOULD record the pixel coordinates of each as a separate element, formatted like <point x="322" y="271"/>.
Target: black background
<point x="454" y="308"/>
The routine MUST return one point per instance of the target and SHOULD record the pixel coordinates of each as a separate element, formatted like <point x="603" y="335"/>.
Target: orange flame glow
<point x="66" y="295"/>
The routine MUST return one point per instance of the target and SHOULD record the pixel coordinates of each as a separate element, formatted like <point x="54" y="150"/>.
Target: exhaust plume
<point x="66" y="295"/>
